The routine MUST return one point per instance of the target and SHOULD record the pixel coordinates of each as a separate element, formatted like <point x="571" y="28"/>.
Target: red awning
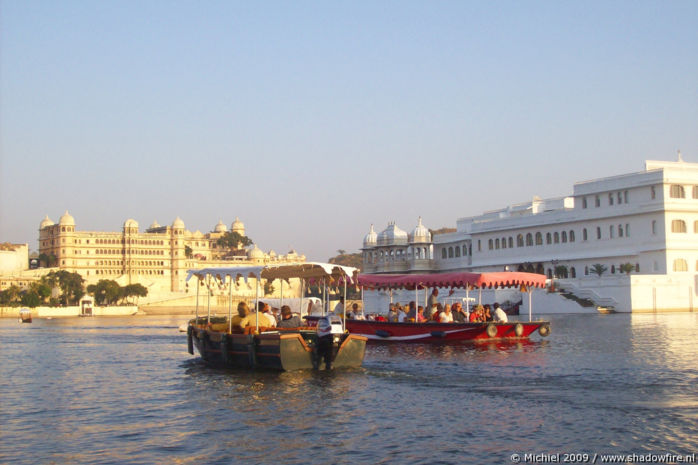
<point x="453" y="280"/>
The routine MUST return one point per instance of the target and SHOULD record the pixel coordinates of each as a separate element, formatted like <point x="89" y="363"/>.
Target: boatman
<point x="499" y="314"/>
<point x="431" y="304"/>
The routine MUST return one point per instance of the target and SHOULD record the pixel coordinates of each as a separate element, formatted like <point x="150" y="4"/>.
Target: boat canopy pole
<point x="256" y="303"/>
<point x="467" y="299"/>
<point x="529" y="305"/>
<point x="302" y="295"/>
<point x="325" y="303"/>
<point x="198" y="283"/>
<point x="281" y="295"/>
<point x="230" y="306"/>
<point x="479" y="296"/>
<point x="345" y="305"/>
<point x="208" y="298"/>
<point x="416" y="303"/>
<point x="362" y="300"/>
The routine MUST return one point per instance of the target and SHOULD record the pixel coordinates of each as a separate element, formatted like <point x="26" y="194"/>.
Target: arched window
<point x="585" y="236"/>
<point x="610" y="231"/>
<point x="548" y="238"/>
<point x="450" y="252"/>
<point x="550" y="273"/>
<point x="598" y="232"/>
<point x="539" y="239"/>
<point x="519" y="240"/>
<point x="564" y="236"/>
<point x="613" y="269"/>
<point x="443" y="252"/>
<point x="678" y="226"/>
<point x="529" y="239"/>
<point x="573" y="272"/>
<point x="458" y="251"/>
<point x="571" y="236"/>
<point x="496" y="243"/>
<point x="490" y="244"/>
<point x="465" y="250"/>
<point x="610" y="199"/>
<point x="680" y="265"/>
<point x="620" y="230"/>
<point x="676" y="192"/>
<point x="695" y="192"/>
<point x="504" y="242"/>
<point x="654" y="227"/>
<point x="586" y="271"/>
<point x="556" y="237"/>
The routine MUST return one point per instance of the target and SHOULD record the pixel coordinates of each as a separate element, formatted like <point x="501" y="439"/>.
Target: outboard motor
<point x="329" y="337"/>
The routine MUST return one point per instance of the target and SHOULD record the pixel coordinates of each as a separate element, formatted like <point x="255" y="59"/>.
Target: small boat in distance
<point x="449" y="332"/>
<point x="220" y="343"/>
<point x="25" y="316"/>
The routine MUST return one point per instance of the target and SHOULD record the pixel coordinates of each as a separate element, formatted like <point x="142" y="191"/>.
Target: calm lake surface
<point x="125" y="391"/>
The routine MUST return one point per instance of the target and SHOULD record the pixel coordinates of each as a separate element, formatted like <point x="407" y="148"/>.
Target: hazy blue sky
<point x="312" y="120"/>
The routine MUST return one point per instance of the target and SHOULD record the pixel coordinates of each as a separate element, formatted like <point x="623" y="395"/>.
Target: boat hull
<point x="274" y="350"/>
<point x="384" y="331"/>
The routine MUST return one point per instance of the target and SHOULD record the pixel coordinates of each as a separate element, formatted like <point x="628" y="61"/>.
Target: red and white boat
<point x="446" y="332"/>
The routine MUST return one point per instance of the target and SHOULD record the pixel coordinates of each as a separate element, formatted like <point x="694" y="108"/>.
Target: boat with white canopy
<point x="221" y="343"/>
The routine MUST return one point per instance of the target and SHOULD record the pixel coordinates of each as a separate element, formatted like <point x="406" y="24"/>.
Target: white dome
<point x="420" y="233"/>
<point x="66" y="219"/>
<point x="220" y="227"/>
<point x="291" y="255"/>
<point x="272" y="254"/>
<point x="197" y="234"/>
<point x="255" y="253"/>
<point x="238" y="226"/>
<point x="46" y="222"/>
<point x="392" y="235"/>
<point x="155" y="225"/>
<point x="178" y="223"/>
<point x="371" y="238"/>
<point x="130" y="223"/>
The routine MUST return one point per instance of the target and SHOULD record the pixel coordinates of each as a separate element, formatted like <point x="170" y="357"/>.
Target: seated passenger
<point x="475" y="314"/>
<point x="392" y="314"/>
<point x="288" y="319"/>
<point x="499" y="314"/>
<point x="446" y="316"/>
<point x="486" y="314"/>
<point x="421" y="318"/>
<point x="354" y="313"/>
<point x="264" y="311"/>
<point x="458" y="313"/>
<point x="239" y="321"/>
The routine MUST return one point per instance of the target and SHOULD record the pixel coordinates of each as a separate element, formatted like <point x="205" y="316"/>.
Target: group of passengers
<point x="448" y="313"/>
<point x="265" y="317"/>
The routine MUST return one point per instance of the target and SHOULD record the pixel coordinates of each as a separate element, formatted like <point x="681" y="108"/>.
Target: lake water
<point x="125" y="391"/>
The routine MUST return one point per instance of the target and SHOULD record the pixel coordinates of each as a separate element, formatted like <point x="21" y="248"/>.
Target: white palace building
<point x="627" y="242"/>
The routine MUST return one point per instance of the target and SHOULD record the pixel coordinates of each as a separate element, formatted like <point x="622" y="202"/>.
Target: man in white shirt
<point x="499" y="315"/>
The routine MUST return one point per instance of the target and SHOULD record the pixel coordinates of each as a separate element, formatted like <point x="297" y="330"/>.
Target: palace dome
<point x="220" y="227"/>
<point x="155" y="225"/>
<point x="238" y="226"/>
<point x="131" y="223"/>
<point x="46" y="222"/>
<point x="420" y="233"/>
<point x="371" y="238"/>
<point x="272" y="254"/>
<point x="392" y="235"/>
<point x="255" y="253"/>
<point x="178" y="223"/>
<point x="67" y="219"/>
<point x="197" y="234"/>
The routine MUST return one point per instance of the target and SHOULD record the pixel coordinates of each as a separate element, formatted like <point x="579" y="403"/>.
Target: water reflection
<point x="126" y="391"/>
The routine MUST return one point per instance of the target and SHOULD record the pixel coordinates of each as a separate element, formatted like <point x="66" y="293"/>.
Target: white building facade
<point x="628" y="242"/>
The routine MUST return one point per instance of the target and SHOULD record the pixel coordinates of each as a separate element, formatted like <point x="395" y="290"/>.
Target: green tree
<point x="105" y="292"/>
<point x="347" y="259"/>
<point x="41" y="289"/>
<point x="599" y="269"/>
<point x="10" y="296"/>
<point x="43" y="260"/>
<point x="627" y="268"/>
<point x="561" y="271"/>
<point x="188" y="251"/>
<point x="31" y="299"/>
<point x="71" y="285"/>
<point x="231" y="240"/>
<point x="268" y="288"/>
<point x="133" y="290"/>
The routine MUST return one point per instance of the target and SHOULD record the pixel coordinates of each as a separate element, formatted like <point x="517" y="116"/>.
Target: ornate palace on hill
<point x="159" y="257"/>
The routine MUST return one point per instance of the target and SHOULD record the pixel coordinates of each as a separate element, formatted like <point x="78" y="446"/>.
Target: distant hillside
<point x="347" y="259"/>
